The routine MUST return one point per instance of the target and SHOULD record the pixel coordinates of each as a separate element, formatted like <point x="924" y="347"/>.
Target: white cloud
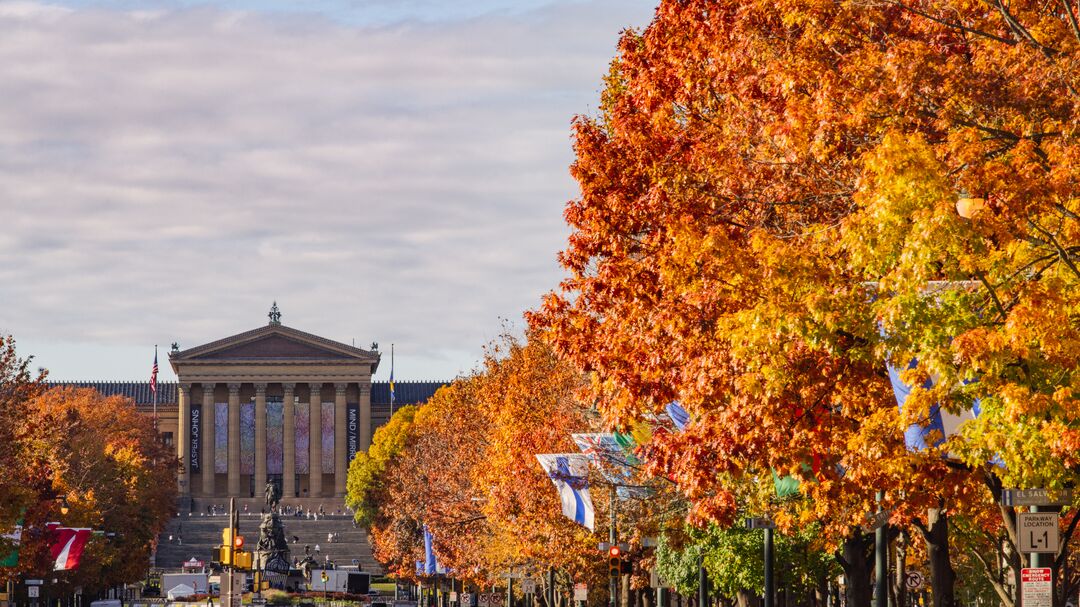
<point x="166" y="174"/>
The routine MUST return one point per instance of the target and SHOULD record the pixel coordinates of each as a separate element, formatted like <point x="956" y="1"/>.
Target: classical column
<point x="340" y="448"/>
<point x="365" y="415"/>
<point x="234" y="440"/>
<point x="183" y="438"/>
<point x="315" y="442"/>
<point x="260" y="437"/>
<point x="209" y="419"/>
<point x="288" y="443"/>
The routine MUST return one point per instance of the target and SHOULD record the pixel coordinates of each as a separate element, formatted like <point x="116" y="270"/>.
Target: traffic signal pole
<point x="613" y="539"/>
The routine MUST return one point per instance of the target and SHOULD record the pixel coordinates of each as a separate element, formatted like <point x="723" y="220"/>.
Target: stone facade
<point x="248" y="408"/>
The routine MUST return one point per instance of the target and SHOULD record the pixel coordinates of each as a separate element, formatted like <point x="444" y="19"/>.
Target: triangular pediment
<point x="274" y="342"/>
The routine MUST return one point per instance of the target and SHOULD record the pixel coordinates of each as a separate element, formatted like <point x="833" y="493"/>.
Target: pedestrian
<point x="179" y="540"/>
<point x="330" y="537"/>
<point x="307" y="548"/>
<point x="317" y="549"/>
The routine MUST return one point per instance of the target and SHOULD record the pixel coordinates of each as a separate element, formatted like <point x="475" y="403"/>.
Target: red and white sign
<point x="66" y="545"/>
<point x="581" y="592"/>
<point x="1036" y="587"/>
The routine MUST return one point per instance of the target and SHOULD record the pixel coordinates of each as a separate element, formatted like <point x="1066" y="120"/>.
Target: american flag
<point x="153" y="375"/>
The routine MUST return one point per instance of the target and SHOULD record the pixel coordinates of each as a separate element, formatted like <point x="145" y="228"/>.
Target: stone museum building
<point x="271" y="404"/>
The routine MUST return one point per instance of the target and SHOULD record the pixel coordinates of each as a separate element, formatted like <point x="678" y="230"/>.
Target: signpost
<point x="1036" y="587"/>
<point x="877" y="520"/>
<point x="528" y="586"/>
<point x="581" y="592"/>
<point x="760" y="522"/>
<point x="1039" y="532"/>
<point x="1036" y="497"/>
<point x="914" y="580"/>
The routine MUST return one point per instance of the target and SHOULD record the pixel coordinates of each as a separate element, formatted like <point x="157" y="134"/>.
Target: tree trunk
<point x="942" y="576"/>
<point x="743" y="598"/>
<point x="857" y="560"/>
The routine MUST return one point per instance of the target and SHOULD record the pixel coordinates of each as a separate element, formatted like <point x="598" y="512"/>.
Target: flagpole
<point x="155" y="394"/>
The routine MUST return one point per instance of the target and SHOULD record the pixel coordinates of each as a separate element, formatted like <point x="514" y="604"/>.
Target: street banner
<point x="194" y="452"/>
<point x="570" y="474"/>
<point x="611" y="454"/>
<point x="431" y="563"/>
<point x="66" y="545"/>
<point x="352" y="430"/>
<point x="678" y="415"/>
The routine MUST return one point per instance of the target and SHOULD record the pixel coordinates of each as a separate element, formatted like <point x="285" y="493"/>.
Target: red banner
<point x="66" y="545"/>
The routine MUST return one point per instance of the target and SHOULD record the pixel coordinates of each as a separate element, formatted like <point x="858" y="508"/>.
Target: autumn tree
<point x="468" y="472"/>
<point x="105" y="459"/>
<point x="766" y="196"/>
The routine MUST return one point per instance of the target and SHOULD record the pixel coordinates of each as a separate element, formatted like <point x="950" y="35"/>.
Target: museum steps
<point x="196" y="535"/>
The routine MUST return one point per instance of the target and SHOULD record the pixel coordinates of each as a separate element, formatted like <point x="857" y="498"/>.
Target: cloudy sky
<point x="386" y="170"/>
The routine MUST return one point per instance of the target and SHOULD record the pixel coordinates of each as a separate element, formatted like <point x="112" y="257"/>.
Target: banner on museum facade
<point x="194" y="450"/>
<point x="352" y="430"/>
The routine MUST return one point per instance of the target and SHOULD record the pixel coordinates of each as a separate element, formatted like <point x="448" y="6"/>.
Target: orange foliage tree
<point x="755" y="164"/>
<point x="102" y="457"/>
<point x="468" y="472"/>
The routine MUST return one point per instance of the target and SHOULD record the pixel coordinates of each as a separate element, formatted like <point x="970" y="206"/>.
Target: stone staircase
<point x="196" y="534"/>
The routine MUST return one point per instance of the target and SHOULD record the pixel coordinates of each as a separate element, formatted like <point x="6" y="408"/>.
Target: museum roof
<point x="405" y="392"/>
<point x="138" y="391"/>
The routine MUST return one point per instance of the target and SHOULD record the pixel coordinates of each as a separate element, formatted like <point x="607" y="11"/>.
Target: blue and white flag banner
<point x="570" y="474"/>
<point x="431" y="564"/>
<point x="678" y="415"/>
<point x="941" y="423"/>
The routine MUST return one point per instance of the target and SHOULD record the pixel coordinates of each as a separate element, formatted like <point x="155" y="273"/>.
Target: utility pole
<point x="881" y="562"/>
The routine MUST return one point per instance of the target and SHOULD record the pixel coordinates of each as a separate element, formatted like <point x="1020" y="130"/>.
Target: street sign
<point x="760" y="522"/>
<point x="1038" y="532"/>
<point x="877" y="520"/>
<point x="453" y="597"/>
<point x="33" y="591"/>
<point x="528" y="586"/>
<point x="581" y="592"/>
<point x="1036" y="587"/>
<point x="914" y="580"/>
<point x="466" y="598"/>
<point x="1036" y="497"/>
<point x="34" y="582"/>
<point x="482" y="599"/>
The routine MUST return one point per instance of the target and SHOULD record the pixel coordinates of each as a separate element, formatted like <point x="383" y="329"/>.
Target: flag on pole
<point x="678" y="415"/>
<point x="153" y="374"/>
<point x="12" y="558"/>
<point x="67" y="544"/>
<point x="570" y="474"/>
<point x="431" y="564"/>
<point x="391" y="379"/>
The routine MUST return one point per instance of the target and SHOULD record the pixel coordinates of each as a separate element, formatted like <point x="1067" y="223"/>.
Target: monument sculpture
<point x="272" y="550"/>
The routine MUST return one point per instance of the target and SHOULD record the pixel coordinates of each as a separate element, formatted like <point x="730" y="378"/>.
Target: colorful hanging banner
<point x="611" y="453"/>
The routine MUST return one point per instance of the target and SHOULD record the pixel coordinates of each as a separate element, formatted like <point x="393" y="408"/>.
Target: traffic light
<point x="226" y="551"/>
<point x="614" y="561"/>
<point x="238" y="542"/>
